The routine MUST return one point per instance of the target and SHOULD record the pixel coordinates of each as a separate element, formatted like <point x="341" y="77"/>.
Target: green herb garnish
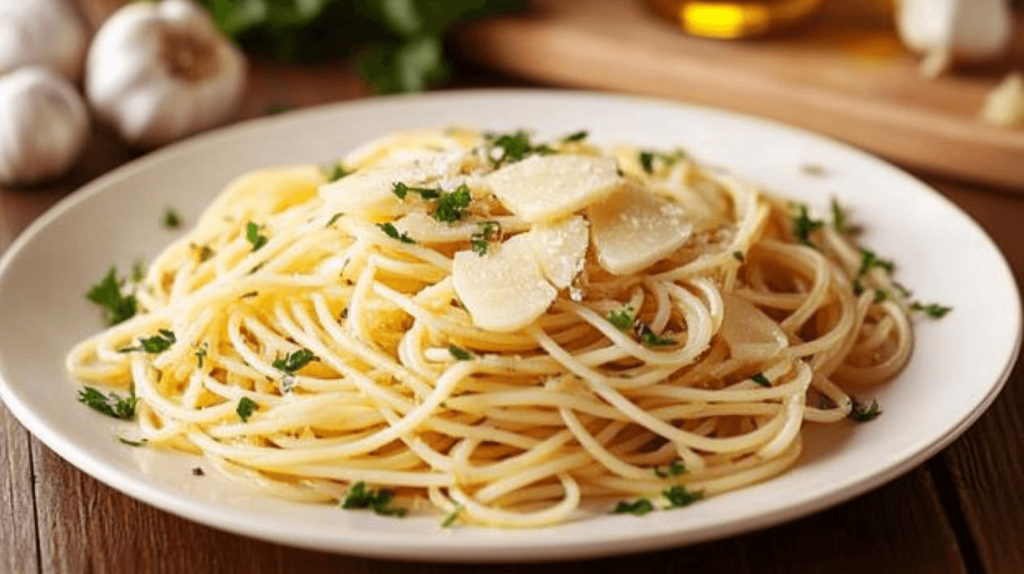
<point x="762" y="380"/>
<point x="621" y="319"/>
<point x="933" y="310"/>
<point x="679" y="496"/>
<point x="112" y="406"/>
<point x="514" y="147"/>
<point x="401" y="190"/>
<point x="246" y="406"/>
<point x="253" y="235"/>
<point x="361" y="497"/>
<point x="639" y="507"/>
<point x="391" y="232"/>
<point x="171" y="219"/>
<point x="201" y="354"/>
<point x="803" y="225"/>
<point x="647" y="158"/>
<point x="869" y="261"/>
<point x="578" y="136"/>
<point x="480" y="240"/>
<point x="336" y="171"/>
<point x="123" y="440"/>
<point x="738" y="256"/>
<point x="334" y="218"/>
<point x="156" y="344"/>
<point x="294" y="361"/>
<point x="117" y="307"/>
<point x="841" y="221"/>
<point x="138" y="271"/>
<point x="863" y="413"/>
<point x="452" y="516"/>
<point x="459" y="354"/>
<point x="676" y="468"/>
<point x="451" y="206"/>
<point x="652" y="339"/>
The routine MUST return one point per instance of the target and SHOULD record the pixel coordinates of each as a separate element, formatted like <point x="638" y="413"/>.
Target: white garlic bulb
<point x="42" y="33"/>
<point x="44" y="125"/>
<point x="158" y="71"/>
<point x="949" y="31"/>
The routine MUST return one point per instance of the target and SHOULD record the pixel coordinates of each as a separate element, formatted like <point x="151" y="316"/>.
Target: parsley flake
<point x="652" y="339"/>
<point x="401" y="190"/>
<point x="578" y="136"/>
<point x="861" y="412"/>
<point x="514" y="147"/>
<point x="138" y="271"/>
<point x="201" y="354"/>
<point x="154" y="345"/>
<point x="361" y="497"/>
<point x="738" y="256"/>
<point x="479" y="242"/>
<point x="123" y="440"/>
<point x="390" y="231"/>
<point x="841" y="221"/>
<point x="334" y="218"/>
<point x="459" y="354"/>
<point x="621" y="319"/>
<point x="647" y="159"/>
<point x="639" y="507"/>
<point x="762" y="380"/>
<point x="803" y="225"/>
<point x="294" y="361"/>
<point x="171" y="219"/>
<point x="933" y="310"/>
<point x="335" y="172"/>
<point x="676" y="468"/>
<point x="451" y="207"/>
<point x="112" y="406"/>
<point x="117" y="307"/>
<point x="246" y="406"/>
<point x="253" y="235"/>
<point x="679" y="496"/>
<point x="452" y="516"/>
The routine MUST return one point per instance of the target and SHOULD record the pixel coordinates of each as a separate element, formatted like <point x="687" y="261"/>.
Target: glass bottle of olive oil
<point x="735" y="18"/>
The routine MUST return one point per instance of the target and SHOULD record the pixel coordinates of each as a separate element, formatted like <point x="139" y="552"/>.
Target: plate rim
<point x="437" y="548"/>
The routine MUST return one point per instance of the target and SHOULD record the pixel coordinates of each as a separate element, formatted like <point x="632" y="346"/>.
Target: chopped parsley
<point x="762" y="380"/>
<point x="378" y="500"/>
<point x="171" y="219"/>
<point x="203" y="252"/>
<point x="154" y="345"/>
<point x="647" y="158"/>
<point x="621" y="319"/>
<point x="253" y="235"/>
<point x="336" y="172"/>
<point x="112" y="406"/>
<point x="679" y="496"/>
<point x="803" y="225"/>
<point x="117" y="307"/>
<point x="451" y="207"/>
<point x="738" y="256"/>
<point x="401" y="190"/>
<point x="578" y="136"/>
<point x="246" y="406"/>
<point x="639" y="507"/>
<point x="334" y="218"/>
<point x="514" y="147"/>
<point x="390" y="231"/>
<point x="201" y="353"/>
<point x="294" y="361"/>
<point x="652" y="339"/>
<point x="480" y="240"/>
<point x="452" y="516"/>
<point x="933" y="310"/>
<point x="676" y="468"/>
<point x="123" y="440"/>
<point x="138" y="271"/>
<point x="841" y="221"/>
<point x="869" y="261"/>
<point x="861" y="412"/>
<point x="459" y="354"/>
<point x="813" y="169"/>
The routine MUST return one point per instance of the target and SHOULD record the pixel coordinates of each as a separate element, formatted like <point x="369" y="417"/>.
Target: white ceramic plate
<point x="958" y="366"/>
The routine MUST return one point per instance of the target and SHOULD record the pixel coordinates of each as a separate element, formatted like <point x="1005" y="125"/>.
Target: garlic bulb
<point x="41" y="33"/>
<point x="1004" y="106"/>
<point x="158" y="71"/>
<point x="43" y="125"/>
<point x="948" y="31"/>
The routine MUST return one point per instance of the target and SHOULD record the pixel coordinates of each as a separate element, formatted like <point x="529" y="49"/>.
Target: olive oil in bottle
<point x="735" y="18"/>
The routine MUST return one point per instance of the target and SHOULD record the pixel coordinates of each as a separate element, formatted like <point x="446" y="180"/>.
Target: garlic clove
<point x="44" y="125"/>
<point x="633" y="229"/>
<point x="505" y="289"/>
<point x="45" y="33"/>
<point x="160" y="71"/>
<point x="949" y="31"/>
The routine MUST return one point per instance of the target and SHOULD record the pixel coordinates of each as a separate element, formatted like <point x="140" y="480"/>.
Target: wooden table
<point x="962" y="511"/>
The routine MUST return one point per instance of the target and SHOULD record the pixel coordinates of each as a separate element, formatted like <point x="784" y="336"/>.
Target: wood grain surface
<point x="962" y="511"/>
<point x="845" y="74"/>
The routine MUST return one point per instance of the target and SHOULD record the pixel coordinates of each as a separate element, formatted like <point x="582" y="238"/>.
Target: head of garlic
<point x="45" y="33"/>
<point x="44" y="125"/>
<point x="159" y="71"/>
<point x="950" y="31"/>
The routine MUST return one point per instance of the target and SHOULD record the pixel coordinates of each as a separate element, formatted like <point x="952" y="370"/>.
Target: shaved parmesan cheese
<point x="633" y="229"/>
<point x="560" y="248"/>
<point x="546" y="188"/>
<point x="505" y="289"/>
<point x="425" y="229"/>
<point x="749" y="333"/>
<point x="369" y="191"/>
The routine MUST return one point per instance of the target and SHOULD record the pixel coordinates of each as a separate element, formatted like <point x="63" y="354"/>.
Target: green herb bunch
<point x="398" y="45"/>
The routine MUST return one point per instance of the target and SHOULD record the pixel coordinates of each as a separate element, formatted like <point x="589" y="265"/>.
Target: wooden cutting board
<point x="844" y="74"/>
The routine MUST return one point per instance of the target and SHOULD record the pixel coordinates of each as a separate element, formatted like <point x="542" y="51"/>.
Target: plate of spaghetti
<point x="502" y="325"/>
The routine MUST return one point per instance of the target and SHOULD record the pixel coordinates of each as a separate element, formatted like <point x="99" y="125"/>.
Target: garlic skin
<point x="44" y="125"/>
<point x="159" y="71"/>
<point x="949" y="31"/>
<point x="45" y="33"/>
